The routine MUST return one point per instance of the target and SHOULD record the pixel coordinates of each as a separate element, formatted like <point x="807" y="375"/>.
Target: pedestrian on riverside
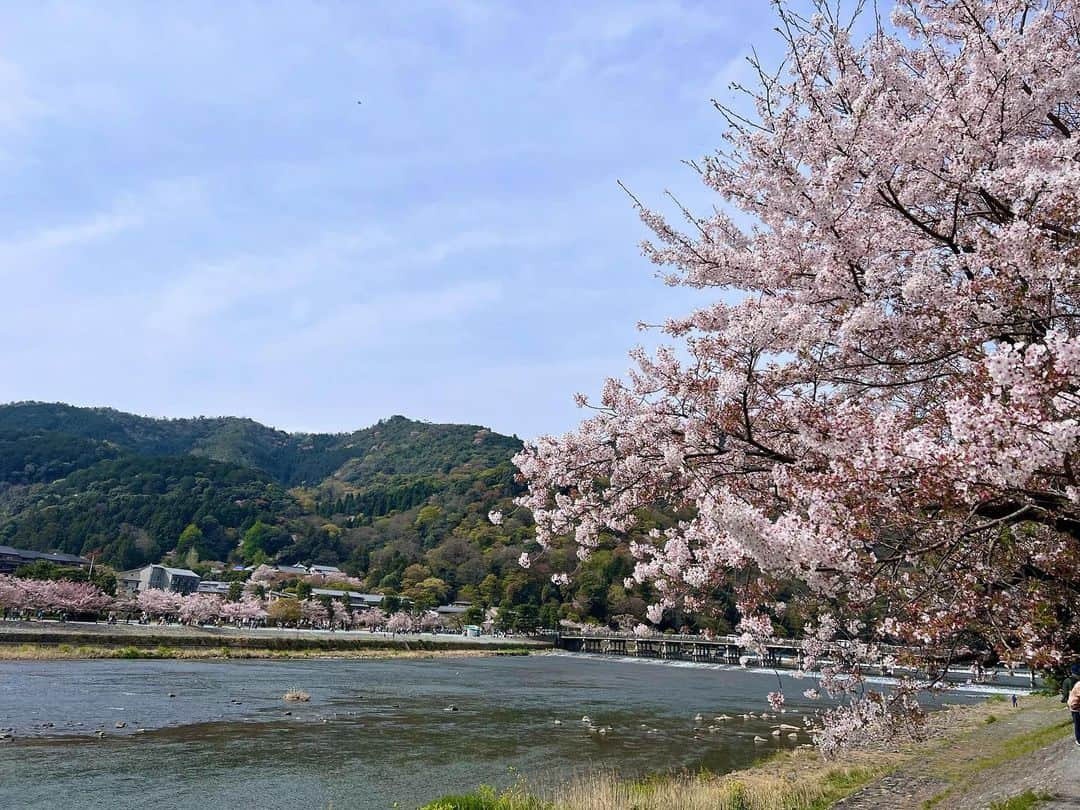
<point x="1014" y="701"/>
<point x="1070" y="681"/>
<point x="1074" y="707"/>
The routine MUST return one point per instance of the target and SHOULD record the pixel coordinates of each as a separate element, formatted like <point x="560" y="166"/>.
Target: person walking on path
<point x="1070" y="681"/>
<point x="1074" y="707"/>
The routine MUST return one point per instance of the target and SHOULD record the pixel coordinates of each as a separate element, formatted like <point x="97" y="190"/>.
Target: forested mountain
<point x="394" y="446"/>
<point x="401" y="504"/>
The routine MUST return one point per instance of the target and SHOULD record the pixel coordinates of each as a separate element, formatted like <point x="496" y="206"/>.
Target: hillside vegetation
<point x="402" y="504"/>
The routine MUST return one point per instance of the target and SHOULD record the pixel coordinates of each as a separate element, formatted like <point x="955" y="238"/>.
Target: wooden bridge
<point x="720" y="650"/>
<point x="784" y="654"/>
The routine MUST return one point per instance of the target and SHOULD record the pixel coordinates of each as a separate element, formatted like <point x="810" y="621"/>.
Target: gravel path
<point x="960" y="766"/>
<point x="1054" y="770"/>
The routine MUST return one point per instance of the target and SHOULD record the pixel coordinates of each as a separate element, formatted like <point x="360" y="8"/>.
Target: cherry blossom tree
<point x="430" y="621"/>
<point x="400" y="622"/>
<point x="314" y="612"/>
<point x="265" y="574"/>
<point x="198" y="608"/>
<point x="157" y="602"/>
<point x="246" y="610"/>
<point x="371" y="618"/>
<point x="17" y="593"/>
<point x="13" y="593"/>
<point x="335" y="581"/>
<point x="73" y="597"/>
<point x="881" y="400"/>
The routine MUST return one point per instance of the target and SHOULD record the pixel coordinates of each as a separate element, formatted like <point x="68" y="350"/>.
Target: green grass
<point x="1022" y="745"/>
<point x="487" y="798"/>
<point x="842" y="782"/>
<point x="139" y="652"/>
<point x="1019" y="746"/>
<point x="747" y="790"/>
<point x="1024" y="801"/>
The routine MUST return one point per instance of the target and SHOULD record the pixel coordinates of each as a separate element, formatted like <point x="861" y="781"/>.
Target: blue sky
<point x="199" y="218"/>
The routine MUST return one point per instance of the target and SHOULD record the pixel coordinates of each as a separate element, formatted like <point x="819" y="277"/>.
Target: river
<point x="374" y="733"/>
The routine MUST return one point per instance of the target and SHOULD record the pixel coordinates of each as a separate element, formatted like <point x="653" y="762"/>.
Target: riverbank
<point x="70" y="652"/>
<point x="22" y="641"/>
<point x="966" y="757"/>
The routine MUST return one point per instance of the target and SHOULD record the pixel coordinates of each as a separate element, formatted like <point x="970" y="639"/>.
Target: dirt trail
<point x="988" y="763"/>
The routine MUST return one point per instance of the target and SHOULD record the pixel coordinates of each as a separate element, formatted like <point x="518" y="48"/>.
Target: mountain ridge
<point x="242" y="440"/>
<point x="402" y="505"/>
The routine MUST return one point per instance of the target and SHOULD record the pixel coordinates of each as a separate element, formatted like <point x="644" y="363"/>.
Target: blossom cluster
<point x="51" y="595"/>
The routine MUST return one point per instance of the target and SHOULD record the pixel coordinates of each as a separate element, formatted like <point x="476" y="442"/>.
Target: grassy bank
<point x="60" y="652"/>
<point x="61" y="642"/>
<point x="959" y="746"/>
<point x="790" y="781"/>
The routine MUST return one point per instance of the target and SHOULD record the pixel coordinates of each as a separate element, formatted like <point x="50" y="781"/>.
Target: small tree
<point x="284" y="612"/>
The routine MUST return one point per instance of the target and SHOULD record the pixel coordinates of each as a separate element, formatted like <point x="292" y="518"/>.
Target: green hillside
<point x="402" y="504"/>
<point x="396" y="446"/>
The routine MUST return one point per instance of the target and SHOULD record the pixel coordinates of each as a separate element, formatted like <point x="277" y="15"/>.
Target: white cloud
<point x="388" y="318"/>
<point x="71" y="235"/>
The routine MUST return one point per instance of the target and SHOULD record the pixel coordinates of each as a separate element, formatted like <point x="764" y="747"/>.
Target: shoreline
<point x="986" y="688"/>
<point x="966" y="756"/>
<point x="70" y="652"/>
<point x="54" y="641"/>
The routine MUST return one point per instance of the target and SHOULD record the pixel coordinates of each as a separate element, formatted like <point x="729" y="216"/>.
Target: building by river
<point x="13" y="558"/>
<point x="162" y="577"/>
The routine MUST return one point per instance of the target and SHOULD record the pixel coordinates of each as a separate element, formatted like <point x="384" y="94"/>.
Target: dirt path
<point x="1054" y="770"/>
<point x="990" y="761"/>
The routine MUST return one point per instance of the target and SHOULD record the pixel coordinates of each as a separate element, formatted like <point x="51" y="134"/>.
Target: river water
<point x="374" y="732"/>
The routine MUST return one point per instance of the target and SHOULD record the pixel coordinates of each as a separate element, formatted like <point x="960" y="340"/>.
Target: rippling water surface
<point x="374" y="733"/>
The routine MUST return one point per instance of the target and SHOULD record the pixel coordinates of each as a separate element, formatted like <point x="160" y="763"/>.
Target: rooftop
<point x="51" y="556"/>
<point x="180" y="572"/>
<point x="450" y="609"/>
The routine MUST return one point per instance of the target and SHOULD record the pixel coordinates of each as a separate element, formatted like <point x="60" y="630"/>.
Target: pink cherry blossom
<point x="198" y="608"/>
<point x="314" y="612"/>
<point x="430" y="620"/>
<point x="400" y="622"/>
<point x="246" y="610"/>
<point x="882" y="397"/>
<point x="371" y="618"/>
<point x="156" y="602"/>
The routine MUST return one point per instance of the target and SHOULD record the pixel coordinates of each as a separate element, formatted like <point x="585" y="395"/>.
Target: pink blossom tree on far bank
<point x="400" y="622"/>
<point x="74" y="597"/>
<point x="13" y="593"/>
<point x="159" y="603"/>
<point x="882" y="400"/>
<point x="61" y="596"/>
<point x="430" y="621"/>
<point x="246" y="611"/>
<point x="314" y="612"/>
<point x="198" y="608"/>
<point x="371" y="618"/>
